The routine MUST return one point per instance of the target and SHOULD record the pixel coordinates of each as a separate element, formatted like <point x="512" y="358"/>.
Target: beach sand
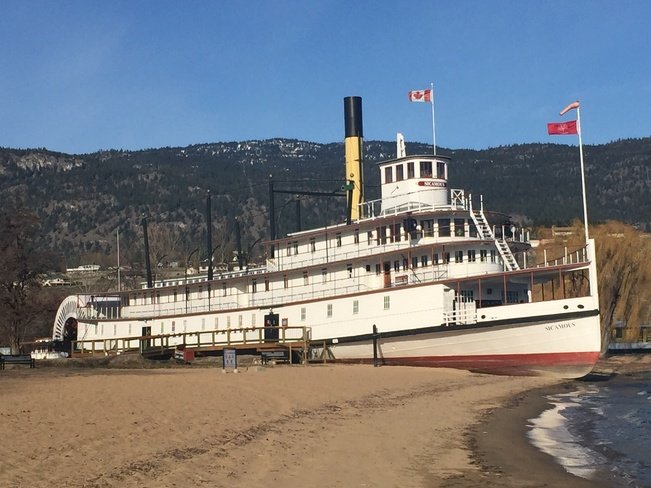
<point x="320" y="426"/>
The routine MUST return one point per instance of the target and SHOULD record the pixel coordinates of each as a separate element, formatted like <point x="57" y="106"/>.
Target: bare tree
<point x="20" y="300"/>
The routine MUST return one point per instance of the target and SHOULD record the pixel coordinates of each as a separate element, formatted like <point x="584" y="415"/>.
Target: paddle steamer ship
<point x="424" y="271"/>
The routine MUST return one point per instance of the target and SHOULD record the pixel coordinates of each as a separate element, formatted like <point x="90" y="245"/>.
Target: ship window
<point x="338" y="239"/>
<point x="405" y="263"/>
<point x="425" y="169"/>
<point x="378" y="269"/>
<point x="483" y="255"/>
<point x="440" y="170"/>
<point x="368" y="268"/>
<point x="459" y="231"/>
<point x="285" y="281"/>
<point x="424" y="260"/>
<point x="289" y="249"/>
<point x="223" y="289"/>
<point x="436" y="258"/>
<point x="472" y="227"/>
<point x="410" y="170"/>
<point x="387" y="302"/>
<point x="254" y="286"/>
<point x="427" y="227"/>
<point x="303" y="314"/>
<point x="444" y="227"/>
<point x="329" y="310"/>
<point x="312" y="244"/>
<point x="324" y="275"/>
<point x="173" y="326"/>
<point x="446" y="257"/>
<point x="396" y="265"/>
<point x="295" y="247"/>
<point x="355" y="307"/>
<point x="266" y="284"/>
<point x="349" y="270"/>
<point x="388" y="174"/>
<point x="399" y="173"/>
<point x="175" y="295"/>
<point x="458" y="256"/>
<point x="493" y="255"/>
<point x="356" y="236"/>
<point x="471" y="256"/>
<point x="306" y="280"/>
<point x="414" y="262"/>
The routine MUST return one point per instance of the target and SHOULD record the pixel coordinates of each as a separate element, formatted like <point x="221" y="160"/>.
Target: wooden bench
<point x="17" y="359"/>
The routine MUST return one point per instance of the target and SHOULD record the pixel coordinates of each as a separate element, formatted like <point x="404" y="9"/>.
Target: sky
<point x="82" y="76"/>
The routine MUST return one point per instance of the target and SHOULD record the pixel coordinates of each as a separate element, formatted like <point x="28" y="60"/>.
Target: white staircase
<point x="484" y="231"/>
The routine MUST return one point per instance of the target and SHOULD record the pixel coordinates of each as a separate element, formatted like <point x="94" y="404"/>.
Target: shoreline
<point x="499" y="441"/>
<point x="324" y="425"/>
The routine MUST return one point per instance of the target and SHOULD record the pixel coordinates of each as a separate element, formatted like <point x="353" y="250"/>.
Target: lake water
<point x="602" y="430"/>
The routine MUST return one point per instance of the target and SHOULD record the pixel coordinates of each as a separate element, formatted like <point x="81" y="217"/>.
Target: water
<point x="601" y="430"/>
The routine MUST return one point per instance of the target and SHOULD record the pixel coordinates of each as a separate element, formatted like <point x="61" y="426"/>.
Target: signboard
<point x="230" y="359"/>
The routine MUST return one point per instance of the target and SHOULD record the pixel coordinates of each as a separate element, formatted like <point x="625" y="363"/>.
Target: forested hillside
<point x="82" y="200"/>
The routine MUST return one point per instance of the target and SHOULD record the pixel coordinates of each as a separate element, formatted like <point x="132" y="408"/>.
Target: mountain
<point x="82" y="200"/>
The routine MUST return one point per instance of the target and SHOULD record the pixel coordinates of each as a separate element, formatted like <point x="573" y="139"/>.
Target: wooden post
<point x="375" y="338"/>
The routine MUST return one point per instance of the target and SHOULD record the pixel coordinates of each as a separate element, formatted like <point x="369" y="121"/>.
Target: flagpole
<point x="585" y="204"/>
<point x="433" y="124"/>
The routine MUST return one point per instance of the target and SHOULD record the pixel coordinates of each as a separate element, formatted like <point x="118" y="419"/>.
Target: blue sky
<point x="79" y="76"/>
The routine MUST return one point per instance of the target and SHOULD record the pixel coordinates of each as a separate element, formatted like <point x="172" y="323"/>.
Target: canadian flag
<point x="420" y="96"/>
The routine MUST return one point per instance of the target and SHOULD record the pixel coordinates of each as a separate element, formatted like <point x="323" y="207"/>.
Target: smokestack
<point x="150" y="283"/>
<point x="354" y="158"/>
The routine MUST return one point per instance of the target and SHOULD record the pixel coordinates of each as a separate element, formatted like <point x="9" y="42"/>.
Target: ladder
<point x="484" y="231"/>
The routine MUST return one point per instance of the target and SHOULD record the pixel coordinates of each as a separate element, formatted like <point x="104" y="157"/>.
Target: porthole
<point x="566" y="307"/>
<point x="581" y="306"/>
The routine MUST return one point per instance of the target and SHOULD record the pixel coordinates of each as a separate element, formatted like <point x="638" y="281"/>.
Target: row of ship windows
<point x="399" y="232"/>
<point x="443" y="258"/>
<point x="424" y="171"/>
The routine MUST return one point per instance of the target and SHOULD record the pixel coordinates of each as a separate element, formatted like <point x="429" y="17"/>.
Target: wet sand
<point x="319" y="426"/>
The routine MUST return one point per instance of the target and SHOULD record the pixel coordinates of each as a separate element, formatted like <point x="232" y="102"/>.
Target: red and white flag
<point x="420" y="96"/>
<point x="562" y="128"/>
<point x="570" y="107"/>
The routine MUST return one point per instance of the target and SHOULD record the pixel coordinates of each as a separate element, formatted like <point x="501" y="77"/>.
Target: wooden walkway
<point x="256" y="340"/>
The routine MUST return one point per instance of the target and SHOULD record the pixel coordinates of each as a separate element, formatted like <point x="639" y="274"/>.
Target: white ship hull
<point x="566" y="348"/>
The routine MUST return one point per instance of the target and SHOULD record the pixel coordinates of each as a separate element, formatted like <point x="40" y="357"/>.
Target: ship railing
<point x="577" y="256"/>
<point x="216" y="339"/>
<point x="464" y="316"/>
<point x="308" y="295"/>
<point x="382" y="207"/>
<point x="176" y="308"/>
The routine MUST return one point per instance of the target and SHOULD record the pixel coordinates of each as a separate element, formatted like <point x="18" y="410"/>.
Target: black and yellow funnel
<point x="353" y="148"/>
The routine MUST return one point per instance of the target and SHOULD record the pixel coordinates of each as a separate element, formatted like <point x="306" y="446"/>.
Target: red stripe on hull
<point x="565" y="364"/>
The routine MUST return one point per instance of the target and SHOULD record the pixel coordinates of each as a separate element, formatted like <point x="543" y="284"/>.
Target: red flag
<point x="570" y="107"/>
<point x="420" y="96"/>
<point x="562" y="128"/>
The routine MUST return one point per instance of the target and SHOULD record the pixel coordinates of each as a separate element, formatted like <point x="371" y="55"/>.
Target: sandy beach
<point x="322" y="425"/>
